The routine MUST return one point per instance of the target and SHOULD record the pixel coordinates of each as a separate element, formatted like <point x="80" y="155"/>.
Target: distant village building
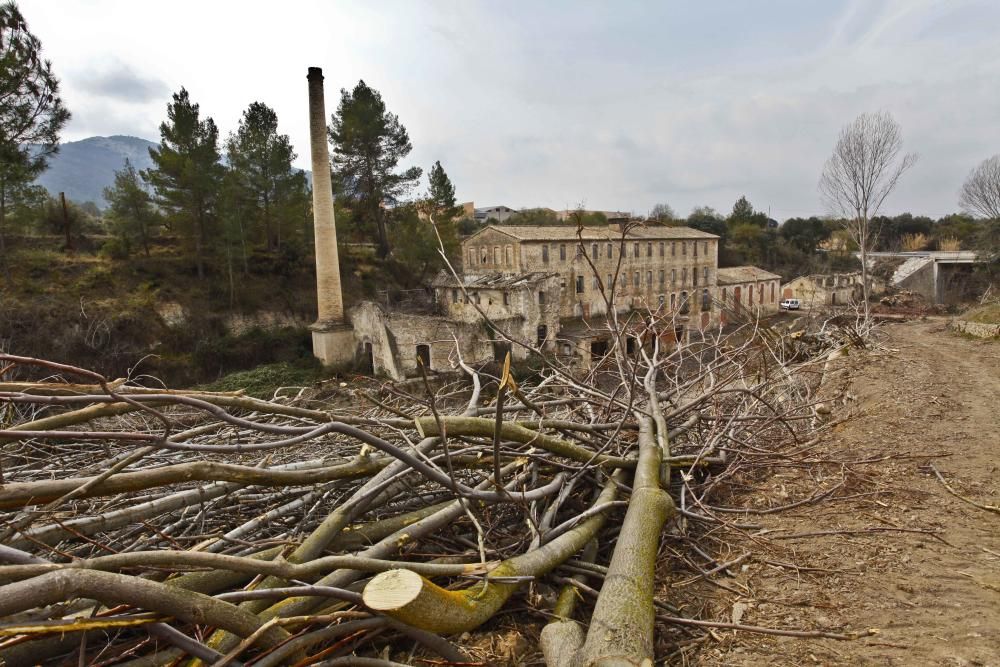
<point x="748" y="288"/>
<point x="833" y="289"/>
<point x="489" y="214"/>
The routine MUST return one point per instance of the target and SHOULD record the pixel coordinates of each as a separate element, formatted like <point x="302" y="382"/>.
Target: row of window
<point x="472" y="296"/>
<point x="738" y="295"/>
<point x="491" y="256"/>
<point x="637" y="275"/>
<point x="637" y="249"/>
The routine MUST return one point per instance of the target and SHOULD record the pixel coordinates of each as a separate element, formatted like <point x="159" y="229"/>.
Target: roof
<point x="744" y="274"/>
<point x="597" y="233"/>
<point x="498" y="281"/>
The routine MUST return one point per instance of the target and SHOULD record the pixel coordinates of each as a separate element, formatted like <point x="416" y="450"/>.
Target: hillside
<point x="82" y="169"/>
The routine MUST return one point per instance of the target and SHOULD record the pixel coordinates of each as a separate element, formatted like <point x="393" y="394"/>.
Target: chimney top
<point x="315" y="72"/>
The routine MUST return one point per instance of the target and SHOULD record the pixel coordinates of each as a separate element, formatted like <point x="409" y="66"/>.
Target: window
<point x="704" y="247"/>
<point x="541" y="298"/>
<point x="562" y="252"/>
<point x="684" y="277"/>
<point x="649" y="278"/>
<point x="663" y="277"/>
<point x="685" y="306"/>
<point x="649" y="249"/>
<point x="506" y="298"/>
<point x="662" y="300"/>
<point x="694" y="276"/>
<point x="694" y="247"/>
<point x="704" y="275"/>
<point x="772" y="292"/>
<point x="673" y="301"/>
<point x="750" y="294"/>
<point x="496" y="255"/>
<point x="635" y="250"/>
<point x="424" y="355"/>
<point x="579" y="284"/>
<point x="545" y="253"/>
<point x="635" y="279"/>
<point x="543" y="333"/>
<point x="454" y="296"/>
<point x="595" y="283"/>
<point x="706" y="300"/>
<point x="663" y="247"/>
<point x="611" y="250"/>
<point x="509" y="256"/>
<point x="684" y="248"/>
<point x="673" y="249"/>
<point x="595" y="251"/>
<point x="608" y="284"/>
<point x="475" y="297"/>
<point x="484" y="256"/>
<point x="673" y="277"/>
<point x="723" y="296"/>
<point x="760" y="289"/>
<point x="472" y="256"/>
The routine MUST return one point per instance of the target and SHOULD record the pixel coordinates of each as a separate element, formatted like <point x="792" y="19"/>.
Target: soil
<point x="902" y="555"/>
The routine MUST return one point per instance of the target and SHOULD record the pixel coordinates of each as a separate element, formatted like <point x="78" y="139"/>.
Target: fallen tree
<point x="142" y="525"/>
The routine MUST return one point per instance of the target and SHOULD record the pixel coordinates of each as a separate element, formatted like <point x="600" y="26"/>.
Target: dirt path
<point x="935" y="598"/>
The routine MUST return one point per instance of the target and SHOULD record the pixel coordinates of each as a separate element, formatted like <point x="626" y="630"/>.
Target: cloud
<point x="119" y="82"/>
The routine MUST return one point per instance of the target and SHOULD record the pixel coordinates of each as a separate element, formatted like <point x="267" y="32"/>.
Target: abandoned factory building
<point x="548" y="288"/>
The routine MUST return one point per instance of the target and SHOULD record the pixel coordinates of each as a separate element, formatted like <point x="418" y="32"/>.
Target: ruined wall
<point x="394" y="339"/>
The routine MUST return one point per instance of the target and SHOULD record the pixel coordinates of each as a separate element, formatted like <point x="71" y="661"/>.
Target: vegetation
<point x="31" y="113"/>
<point x="369" y="141"/>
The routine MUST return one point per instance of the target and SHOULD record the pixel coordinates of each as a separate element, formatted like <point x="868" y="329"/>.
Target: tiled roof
<point x="744" y="274"/>
<point x="602" y="233"/>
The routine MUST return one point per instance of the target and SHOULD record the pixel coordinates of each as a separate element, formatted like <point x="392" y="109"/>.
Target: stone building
<point x="546" y="287"/>
<point x="648" y="267"/>
<point x="749" y="289"/>
<point x="832" y="289"/>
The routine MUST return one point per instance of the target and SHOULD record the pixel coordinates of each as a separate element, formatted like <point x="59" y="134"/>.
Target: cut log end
<point x="392" y="590"/>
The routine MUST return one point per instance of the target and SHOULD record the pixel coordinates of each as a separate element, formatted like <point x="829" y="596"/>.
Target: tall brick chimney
<point x="333" y="340"/>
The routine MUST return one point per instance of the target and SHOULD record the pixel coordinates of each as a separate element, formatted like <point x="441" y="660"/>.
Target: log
<point x="417" y="601"/>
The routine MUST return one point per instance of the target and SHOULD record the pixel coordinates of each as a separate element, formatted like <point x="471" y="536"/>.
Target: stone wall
<point x="978" y="329"/>
<point x="392" y="340"/>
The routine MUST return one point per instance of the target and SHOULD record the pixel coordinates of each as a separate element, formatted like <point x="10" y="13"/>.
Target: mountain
<point x="82" y="169"/>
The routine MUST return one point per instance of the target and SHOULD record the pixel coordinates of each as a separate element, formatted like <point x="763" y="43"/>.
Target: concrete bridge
<point x="935" y="274"/>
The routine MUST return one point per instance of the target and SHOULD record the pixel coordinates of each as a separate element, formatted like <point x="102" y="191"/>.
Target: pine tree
<point x="441" y="203"/>
<point x="31" y="111"/>
<point x="261" y="160"/>
<point x="188" y="174"/>
<point x="369" y="142"/>
<point x="133" y="216"/>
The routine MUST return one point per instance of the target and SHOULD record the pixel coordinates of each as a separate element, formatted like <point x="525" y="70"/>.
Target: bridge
<point x="934" y="274"/>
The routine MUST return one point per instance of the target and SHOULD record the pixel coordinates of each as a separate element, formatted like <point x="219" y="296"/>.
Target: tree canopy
<point x="369" y="142"/>
<point x="188" y="174"/>
<point x="31" y="111"/>
<point x="131" y="212"/>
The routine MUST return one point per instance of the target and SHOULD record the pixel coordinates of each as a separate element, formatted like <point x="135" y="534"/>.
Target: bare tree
<point x="865" y="167"/>
<point x="980" y="195"/>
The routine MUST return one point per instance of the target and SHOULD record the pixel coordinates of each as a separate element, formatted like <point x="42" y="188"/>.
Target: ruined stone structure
<point x="749" y="289"/>
<point x="939" y="276"/>
<point x="834" y="289"/>
<point x="392" y="340"/>
<point x="333" y="340"/>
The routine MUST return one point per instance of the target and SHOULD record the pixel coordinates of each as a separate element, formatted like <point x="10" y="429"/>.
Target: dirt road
<point x="900" y="553"/>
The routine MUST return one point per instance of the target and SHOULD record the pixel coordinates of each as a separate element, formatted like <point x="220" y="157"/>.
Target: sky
<point x="610" y="105"/>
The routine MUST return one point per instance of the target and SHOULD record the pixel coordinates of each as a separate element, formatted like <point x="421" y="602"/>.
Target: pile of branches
<point x="390" y="525"/>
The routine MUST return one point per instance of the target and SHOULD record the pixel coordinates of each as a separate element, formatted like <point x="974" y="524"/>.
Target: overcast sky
<point x="616" y="105"/>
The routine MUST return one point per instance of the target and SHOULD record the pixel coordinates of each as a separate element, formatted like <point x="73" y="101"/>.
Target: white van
<point x="790" y="304"/>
